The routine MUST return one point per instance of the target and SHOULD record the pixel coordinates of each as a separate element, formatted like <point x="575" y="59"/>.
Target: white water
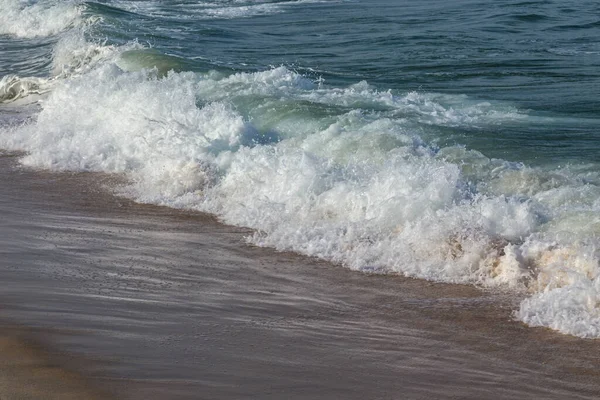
<point x="346" y="174"/>
<point x="214" y="9"/>
<point x="72" y="56"/>
<point x="26" y="19"/>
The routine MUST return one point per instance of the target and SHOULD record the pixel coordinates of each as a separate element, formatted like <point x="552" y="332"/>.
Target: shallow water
<point x="150" y="302"/>
<point x="455" y="142"/>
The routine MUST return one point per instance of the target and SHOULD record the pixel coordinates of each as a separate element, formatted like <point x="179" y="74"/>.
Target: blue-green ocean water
<point x="542" y="57"/>
<point x="455" y="141"/>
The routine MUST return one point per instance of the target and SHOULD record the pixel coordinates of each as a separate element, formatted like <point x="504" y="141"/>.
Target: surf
<point x="359" y="175"/>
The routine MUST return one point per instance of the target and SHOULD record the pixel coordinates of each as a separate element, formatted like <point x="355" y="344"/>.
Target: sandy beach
<point x="27" y="371"/>
<point x="149" y="302"/>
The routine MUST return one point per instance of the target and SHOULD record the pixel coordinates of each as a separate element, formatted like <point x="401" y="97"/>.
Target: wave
<point x="73" y="55"/>
<point x="354" y="175"/>
<point x="13" y="88"/>
<point x="337" y="173"/>
<point x="25" y="19"/>
<point x="212" y="9"/>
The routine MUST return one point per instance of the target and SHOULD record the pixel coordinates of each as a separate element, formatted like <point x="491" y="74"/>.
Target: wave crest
<point x="337" y="173"/>
<point x="40" y="19"/>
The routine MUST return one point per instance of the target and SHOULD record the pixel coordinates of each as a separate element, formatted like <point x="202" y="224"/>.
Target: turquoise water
<point x="451" y="141"/>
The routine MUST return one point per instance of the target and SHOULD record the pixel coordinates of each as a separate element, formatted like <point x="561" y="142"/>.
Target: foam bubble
<point x="73" y="54"/>
<point x="154" y="131"/>
<point x="425" y="108"/>
<point x="213" y="9"/>
<point x="337" y="173"/>
<point x="13" y="88"/>
<point x="566" y="291"/>
<point x="43" y="18"/>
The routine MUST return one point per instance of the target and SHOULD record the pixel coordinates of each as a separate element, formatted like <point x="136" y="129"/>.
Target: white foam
<point x="27" y="19"/>
<point x="213" y="9"/>
<point x="566" y="290"/>
<point x="427" y="108"/>
<point x="126" y="122"/>
<point x="242" y="11"/>
<point x="73" y="55"/>
<point x="13" y="88"/>
<point x="337" y="173"/>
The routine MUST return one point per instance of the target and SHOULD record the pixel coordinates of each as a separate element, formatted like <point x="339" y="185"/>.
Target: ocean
<point x="451" y="141"/>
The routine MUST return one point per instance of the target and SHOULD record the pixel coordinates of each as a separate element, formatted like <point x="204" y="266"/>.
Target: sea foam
<point x="344" y="174"/>
<point x="213" y="9"/>
<point x="25" y="19"/>
<point x="13" y="88"/>
<point x="72" y="55"/>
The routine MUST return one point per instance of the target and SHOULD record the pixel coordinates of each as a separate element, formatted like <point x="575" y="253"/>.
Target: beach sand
<point x="27" y="371"/>
<point x="146" y="302"/>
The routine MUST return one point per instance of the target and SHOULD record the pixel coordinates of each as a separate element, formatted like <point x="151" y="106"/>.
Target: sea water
<point x="449" y="141"/>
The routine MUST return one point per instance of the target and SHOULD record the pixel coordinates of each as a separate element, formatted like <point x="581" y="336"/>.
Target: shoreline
<point x="172" y="304"/>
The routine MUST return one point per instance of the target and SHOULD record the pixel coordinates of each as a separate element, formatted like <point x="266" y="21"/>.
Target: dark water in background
<point x="448" y="140"/>
<point x="541" y="56"/>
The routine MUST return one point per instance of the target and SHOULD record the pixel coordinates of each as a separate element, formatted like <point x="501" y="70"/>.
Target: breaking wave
<point x="351" y="174"/>
<point x="26" y="19"/>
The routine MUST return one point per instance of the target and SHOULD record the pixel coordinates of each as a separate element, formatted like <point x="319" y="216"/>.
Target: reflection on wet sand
<point x="151" y="302"/>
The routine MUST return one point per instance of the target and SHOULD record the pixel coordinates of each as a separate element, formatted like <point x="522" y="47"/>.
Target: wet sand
<point x="27" y="371"/>
<point x="149" y="302"/>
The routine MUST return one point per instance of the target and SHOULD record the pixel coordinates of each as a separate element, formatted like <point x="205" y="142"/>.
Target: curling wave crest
<point x="337" y="173"/>
<point x="73" y="56"/>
